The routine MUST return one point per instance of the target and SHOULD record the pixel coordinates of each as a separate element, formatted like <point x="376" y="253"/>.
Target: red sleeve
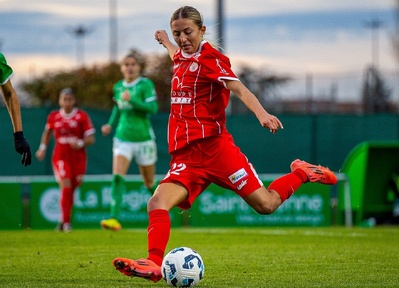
<point x="50" y="121"/>
<point x="88" y="127"/>
<point x="217" y="66"/>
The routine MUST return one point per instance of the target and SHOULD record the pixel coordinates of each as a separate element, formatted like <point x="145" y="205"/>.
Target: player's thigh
<point x="145" y="153"/>
<point x="230" y="168"/>
<point x="167" y="196"/>
<point x="120" y="164"/>
<point x="78" y="170"/>
<point x="61" y="169"/>
<point x="62" y="172"/>
<point x="122" y="155"/>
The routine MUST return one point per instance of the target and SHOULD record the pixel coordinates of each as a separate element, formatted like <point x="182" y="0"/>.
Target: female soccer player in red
<point x="73" y="131"/>
<point x="201" y="148"/>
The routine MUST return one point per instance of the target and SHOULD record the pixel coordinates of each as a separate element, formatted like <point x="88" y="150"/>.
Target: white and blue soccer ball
<point x="182" y="267"/>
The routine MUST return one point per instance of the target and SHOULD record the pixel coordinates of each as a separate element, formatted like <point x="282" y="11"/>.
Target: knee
<point x="153" y="203"/>
<point x="264" y="201"/>
<point x="265" y="208"/>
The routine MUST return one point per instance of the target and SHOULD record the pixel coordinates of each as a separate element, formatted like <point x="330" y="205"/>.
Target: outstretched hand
<point x="23" y="148"/>
<point x="161" y="36"/>
<point x="271" y="122"/>
<point x="106" y="129"/>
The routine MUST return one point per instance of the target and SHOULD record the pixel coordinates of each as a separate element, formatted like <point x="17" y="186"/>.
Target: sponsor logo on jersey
<point x="242" y="184"/>
<point x="222" y="70"/>
<point x="124" y="105"/>
<point x="180" y="100"/>
<point x="180" y="97"/>
<point x="193" y="67"/>
<point x="238" y="175"/>
<point x="73" y="123"/>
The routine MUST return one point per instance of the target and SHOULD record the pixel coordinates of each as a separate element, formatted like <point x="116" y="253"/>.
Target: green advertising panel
<point x="373" y="169"/>
<point x="91" y="205"/>
<point x="218" y="207"/>
<point x="11" y="208"/>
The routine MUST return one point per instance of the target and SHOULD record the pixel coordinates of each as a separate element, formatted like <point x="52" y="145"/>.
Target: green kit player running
<point x="135" y="100"/>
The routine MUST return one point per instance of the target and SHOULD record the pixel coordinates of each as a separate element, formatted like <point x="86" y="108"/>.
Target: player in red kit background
<point x="202" y="150"/>
<point x="73" y="131"/>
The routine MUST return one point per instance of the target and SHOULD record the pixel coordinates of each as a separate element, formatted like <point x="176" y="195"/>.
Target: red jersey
<point x="198" y="95"/>
<point x="68" y="128"/>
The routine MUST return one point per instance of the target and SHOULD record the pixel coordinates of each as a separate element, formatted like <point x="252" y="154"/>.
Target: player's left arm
<point x="88" y="134"/>
<point x="249" y="99"/>
<point x="89" y="139"/>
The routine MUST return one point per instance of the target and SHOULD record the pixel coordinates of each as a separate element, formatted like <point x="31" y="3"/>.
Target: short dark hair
<point x="67" y="91"/>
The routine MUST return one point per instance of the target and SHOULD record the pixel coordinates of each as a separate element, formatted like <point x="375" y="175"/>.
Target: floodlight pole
<point x="79" y="32"/>
<point x="113" y="30"/>
<point x="220" y="23"/>
<point x="375" y="25"/>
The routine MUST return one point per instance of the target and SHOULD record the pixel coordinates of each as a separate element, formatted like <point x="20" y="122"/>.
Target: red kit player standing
<point x="202" y="150"/>
<point x="73" y="131"/>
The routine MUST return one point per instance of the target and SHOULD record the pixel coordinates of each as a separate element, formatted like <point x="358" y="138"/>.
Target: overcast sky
<point x="291" y="36"/>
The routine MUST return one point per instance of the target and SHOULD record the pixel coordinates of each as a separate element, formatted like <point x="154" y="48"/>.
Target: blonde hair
<point x="189" y="12"/>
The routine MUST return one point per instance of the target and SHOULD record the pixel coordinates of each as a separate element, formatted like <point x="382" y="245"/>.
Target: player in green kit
<point x="135" y="100"/>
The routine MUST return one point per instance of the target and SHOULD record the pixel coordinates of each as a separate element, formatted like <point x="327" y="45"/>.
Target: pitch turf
<point x="247" y="257"/>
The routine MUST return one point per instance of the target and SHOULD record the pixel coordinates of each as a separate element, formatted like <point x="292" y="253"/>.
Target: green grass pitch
<point x="243" y="257"/>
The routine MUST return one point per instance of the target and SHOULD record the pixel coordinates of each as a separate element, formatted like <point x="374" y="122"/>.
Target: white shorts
<point x="145" y="152"/>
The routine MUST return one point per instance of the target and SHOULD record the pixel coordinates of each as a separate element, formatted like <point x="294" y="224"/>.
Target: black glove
<point x="23" y="148"/>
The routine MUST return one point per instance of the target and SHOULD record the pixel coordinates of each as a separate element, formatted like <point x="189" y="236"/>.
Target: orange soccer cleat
<point x="315" y="173"/>
<point x="143" y="268"/>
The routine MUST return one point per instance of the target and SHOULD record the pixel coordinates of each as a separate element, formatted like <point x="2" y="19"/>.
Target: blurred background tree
<point x="375" y="94"/>
<point x="93" y="85"/>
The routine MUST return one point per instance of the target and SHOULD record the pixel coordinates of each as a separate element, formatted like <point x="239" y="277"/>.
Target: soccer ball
<point x="182" y="267"/>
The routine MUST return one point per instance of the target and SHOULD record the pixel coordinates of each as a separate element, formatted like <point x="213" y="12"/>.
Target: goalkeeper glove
<point x="23" y="148"/>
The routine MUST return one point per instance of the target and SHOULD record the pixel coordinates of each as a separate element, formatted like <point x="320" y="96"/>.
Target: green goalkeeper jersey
<point x="132" y="118"/>
<point x="5" y="70"/>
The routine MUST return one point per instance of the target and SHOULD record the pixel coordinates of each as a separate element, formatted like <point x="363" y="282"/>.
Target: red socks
<point x="66" y="204"/>
<point x="158" y="234"/>
<point x="286" y="185"/>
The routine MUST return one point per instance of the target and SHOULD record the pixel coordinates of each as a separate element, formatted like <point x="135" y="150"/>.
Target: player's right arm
<point x="162" y="37"/>
<point x="46" y="135"/>
<point x="112" y="122"/>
